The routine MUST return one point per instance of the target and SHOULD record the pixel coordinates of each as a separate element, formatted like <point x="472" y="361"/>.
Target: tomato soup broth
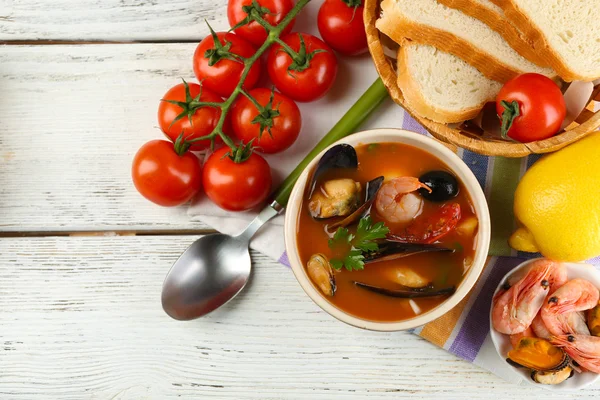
<point x="441" y="269"/>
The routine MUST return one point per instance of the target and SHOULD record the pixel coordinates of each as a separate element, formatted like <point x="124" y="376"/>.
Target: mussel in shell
<point x="406" y="276"/>
<point x="370" y="192"/>
<point x="320" y="272"/>
<point x="552" y="377"/>
<point x="410" y="285"/>
<point x="339" y="156"/>
<point x="550" y="365"/>
<point x="340" y="197"/>
<point x="389" y="250"/>
<point x="337" y="198"/>
<point x="408" y="292"/>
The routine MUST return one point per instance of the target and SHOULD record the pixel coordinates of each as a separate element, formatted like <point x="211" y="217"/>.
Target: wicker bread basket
<point x="467" y="135"/>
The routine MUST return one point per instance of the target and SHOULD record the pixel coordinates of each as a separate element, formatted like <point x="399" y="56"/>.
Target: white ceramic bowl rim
<point x="455" y="164"/>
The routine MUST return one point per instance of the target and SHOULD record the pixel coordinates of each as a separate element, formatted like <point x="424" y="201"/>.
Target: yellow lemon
<point x="558" y="204"/>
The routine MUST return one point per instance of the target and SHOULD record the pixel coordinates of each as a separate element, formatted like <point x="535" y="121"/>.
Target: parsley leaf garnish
<point x="341" y="237"/>
<point x="367" y="233"/>
<point x="364" y="241"/>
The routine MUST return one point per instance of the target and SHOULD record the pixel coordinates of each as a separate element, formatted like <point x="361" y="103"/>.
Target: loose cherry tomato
<point x="308" y="73"/>
<point x="164" y="177"/>
<point x="430" y="229"/>
<point x="531" y="107"/>
<point x="274" y="128"/>
<point x="236" y="186"/>
<point x="220" y="72"/>
<point x="341" y="26"/>
<point x="200" y="123"/>
<point x="254" y="32"/>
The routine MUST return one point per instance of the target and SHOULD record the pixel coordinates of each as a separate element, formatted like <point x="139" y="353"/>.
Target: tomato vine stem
<point x="274" y="32"/>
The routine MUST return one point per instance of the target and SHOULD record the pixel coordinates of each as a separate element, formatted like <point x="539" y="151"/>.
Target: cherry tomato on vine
<point x="218" y="68"/>
<point x="531" y="107"/>
<point x="192" y="124"/>
<point x="341" y="26"/>
<point x="273" y="11"/>
<point x="274" y="128"/>
<point x="306" y="74"/>
<point x="236" y="186"/>
<point x="164" y="177"/>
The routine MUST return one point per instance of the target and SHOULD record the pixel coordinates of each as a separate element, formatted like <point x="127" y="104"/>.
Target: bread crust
<point x="500" y="24"/>
<point x="539" y="42"/>
<point x="393" y="24"/>
<point x="412" y="93"/>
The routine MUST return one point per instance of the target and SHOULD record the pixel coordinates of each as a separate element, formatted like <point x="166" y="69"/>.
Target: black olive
<point x="443" y="185"/>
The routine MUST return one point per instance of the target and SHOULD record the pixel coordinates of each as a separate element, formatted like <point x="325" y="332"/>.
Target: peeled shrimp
<point x="395" y="201"/>
<point x="560" y="311"/>
<point x="584" y="349"/>
<point x="514" y="309"/>
<point x="539" y="328"/>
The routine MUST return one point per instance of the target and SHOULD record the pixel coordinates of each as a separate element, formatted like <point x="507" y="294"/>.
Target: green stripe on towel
<point x="505" y="179"/>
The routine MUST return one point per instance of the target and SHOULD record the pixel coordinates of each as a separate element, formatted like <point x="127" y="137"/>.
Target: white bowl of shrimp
<point x="350" y="295"/>
<point x="545" y="322"/>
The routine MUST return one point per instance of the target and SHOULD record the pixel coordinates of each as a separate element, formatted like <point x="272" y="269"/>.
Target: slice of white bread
<point x="493" y="16"/>
<point x="440" y="86"/>
<point x="452" y="31"/>
<point x="566" y="33"/>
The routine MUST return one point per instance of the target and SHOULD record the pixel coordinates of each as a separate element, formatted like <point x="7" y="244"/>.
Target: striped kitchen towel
<point x="463" y="331"/>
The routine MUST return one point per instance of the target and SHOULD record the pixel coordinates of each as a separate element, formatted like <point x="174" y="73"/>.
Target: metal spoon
<point x="216" y="267"/>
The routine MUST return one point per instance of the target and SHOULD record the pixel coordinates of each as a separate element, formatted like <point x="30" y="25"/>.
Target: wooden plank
<point x="72" y="119"/>
<point x="81" y="318"/>
<point x="119" y="20"/>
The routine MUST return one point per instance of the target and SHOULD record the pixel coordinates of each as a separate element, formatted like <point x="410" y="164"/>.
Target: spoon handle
<point x="263" y="217"/>
<point x="348" y="124"/>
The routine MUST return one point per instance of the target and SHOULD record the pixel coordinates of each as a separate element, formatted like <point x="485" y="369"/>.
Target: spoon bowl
<point x="207" y="275"/>
<point x="212" y="271"/>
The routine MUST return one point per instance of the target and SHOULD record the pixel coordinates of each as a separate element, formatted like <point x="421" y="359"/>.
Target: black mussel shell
<point x="373" y="187"/>
<point x="443" y="185"/>
<point x="394" y="250"/>
<point x="370" y="192"/>
<point x="339" y="156"/>
<point x="406" y="292"/>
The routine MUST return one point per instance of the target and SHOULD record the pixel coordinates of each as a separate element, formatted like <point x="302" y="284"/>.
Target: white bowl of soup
<point x="387" y="230"/>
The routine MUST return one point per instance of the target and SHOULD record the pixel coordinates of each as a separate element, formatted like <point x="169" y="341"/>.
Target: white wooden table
<point x="83" y="256"/>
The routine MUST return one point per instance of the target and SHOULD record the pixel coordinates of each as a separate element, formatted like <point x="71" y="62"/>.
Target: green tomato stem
<point x="259" y="107"/>
<point x="291" y="52"/>
<point x="198" y="104"/>
<point x="260" y="20"/>
<point x="511" y="111"/>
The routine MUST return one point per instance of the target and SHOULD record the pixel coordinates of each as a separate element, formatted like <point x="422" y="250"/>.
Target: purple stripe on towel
<point x="476" y="326"/>
<point x="410" y="124"/>
<point x="284" y="260"/>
